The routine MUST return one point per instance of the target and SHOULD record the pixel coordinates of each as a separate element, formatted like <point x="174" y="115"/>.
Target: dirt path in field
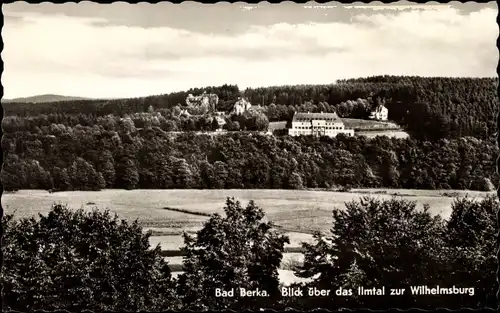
<point x="280" y="228"/>
<point x="187" y="211"/>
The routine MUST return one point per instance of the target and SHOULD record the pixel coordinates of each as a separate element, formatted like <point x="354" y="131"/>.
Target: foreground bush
<point x="471" y="234"/>
<point x="236" y="251"/>
<point x="393" y="244"/>
<point x="79" y="260"/>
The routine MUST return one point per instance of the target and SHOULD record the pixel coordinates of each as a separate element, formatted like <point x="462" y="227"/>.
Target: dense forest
<point x="430" y="108"/>
<point x="92" y="158"/>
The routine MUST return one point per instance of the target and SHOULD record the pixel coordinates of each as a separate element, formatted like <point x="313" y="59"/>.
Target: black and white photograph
<point x="242" y="156"/>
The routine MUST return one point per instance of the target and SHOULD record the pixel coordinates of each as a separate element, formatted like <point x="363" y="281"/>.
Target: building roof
<point x="316" y="116"/>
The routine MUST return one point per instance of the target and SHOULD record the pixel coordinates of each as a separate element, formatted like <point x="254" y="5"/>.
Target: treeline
<point x="76" y="260"/>
<point x="91" y="158"/>
<point x="168" y="120"/>
<point x="430" y="108"/>
<point x="359" y="108"/>
<point x="228" y="95"/>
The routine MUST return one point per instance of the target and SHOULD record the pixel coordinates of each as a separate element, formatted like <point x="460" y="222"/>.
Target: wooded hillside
<point x="129" y="143"/>
<point x="430" y="108"/>
<point x="85" y="158"/>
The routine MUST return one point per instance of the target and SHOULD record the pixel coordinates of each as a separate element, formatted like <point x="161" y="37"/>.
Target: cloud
<point x="12" y="20"/>
<point x="208" y="19"/>
<point x="91" y="56"/>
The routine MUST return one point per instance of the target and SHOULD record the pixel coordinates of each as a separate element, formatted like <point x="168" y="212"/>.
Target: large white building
<point x="379" y="113"/>
<point x="318" y="124"/>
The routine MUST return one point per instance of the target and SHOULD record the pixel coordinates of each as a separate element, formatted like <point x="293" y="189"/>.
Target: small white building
<point x="241" y="106"/>
<point x="379" y="113"/>
<point x="318" y="124"/>
<point x="184" y="113"/>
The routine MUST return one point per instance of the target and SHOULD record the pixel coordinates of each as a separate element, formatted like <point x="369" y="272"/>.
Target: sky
<point x="131" y="50"/>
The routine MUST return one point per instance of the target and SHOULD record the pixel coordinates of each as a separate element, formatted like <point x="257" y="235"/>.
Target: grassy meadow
<point x="297" y="212"/>
<point x="400" y="134"/>
<point x="357" y="123"/>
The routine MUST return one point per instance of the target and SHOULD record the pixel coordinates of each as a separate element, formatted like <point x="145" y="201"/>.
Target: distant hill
<point x="43" y="98"/>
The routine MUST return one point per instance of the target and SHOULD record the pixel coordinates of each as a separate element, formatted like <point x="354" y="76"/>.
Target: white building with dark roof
<point x="241" y="106"/>
<point x="380" y="113"/>
<point x="318" y="124"/>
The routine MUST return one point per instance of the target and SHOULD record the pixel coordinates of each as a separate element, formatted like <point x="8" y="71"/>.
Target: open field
<point x="400" y="134"/>
<point x="297" y="212"/>
<point x="175" y="242"/>
<point x="293" y="210"/>
<point x="354" y="123"/>
<point x="277" y="125"/>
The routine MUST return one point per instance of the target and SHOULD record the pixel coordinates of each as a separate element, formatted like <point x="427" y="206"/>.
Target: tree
<point x="260" y="121"/>
<point x="232" y="125"/>
<point x="379" y="243"/>
<point x="76" y="260"/>
<point x="486" y="185"/>
<point x="84" y="175"/>
<point x="220" y="174"/>
<point x="37" y="176"/>
<point x="237" y="251"/>
<point x="127" y="125"/>
<point x="206" y="175"/>
<point x="101" y="182"/>
<point x="13" y="175"/>
<point x="344" y="167"/>
<point x="106" y="166"/>
<point x="215" y="124"/>
<point x="472" y="237"/>
<point x="62" y="181"/>
<point x="127" y="173"/>
<point x="183" y="174"/>
<point x="389" y="172"/>
<point x="295" y="181"/>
